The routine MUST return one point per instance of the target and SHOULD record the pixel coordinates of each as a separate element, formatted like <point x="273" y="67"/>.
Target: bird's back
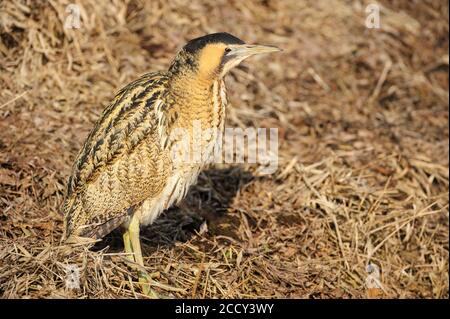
<point x="122" y="162"/>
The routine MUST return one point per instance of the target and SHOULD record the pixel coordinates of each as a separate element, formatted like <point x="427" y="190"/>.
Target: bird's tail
<point x="79" y="228"/>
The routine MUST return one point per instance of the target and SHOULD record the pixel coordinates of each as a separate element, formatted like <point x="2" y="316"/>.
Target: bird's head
<point x="214" y="55"/>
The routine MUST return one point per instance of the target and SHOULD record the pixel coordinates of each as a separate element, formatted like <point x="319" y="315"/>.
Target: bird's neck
<point x="193" y="97"/>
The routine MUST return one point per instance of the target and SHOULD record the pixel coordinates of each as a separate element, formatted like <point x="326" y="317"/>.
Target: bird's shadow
<point x="208" y="202"/>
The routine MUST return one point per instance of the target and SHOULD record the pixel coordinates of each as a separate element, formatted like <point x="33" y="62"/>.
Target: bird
<point x="128" y="170"/>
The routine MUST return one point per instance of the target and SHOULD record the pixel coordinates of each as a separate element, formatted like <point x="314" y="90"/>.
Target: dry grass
<point x="363" y="173"/>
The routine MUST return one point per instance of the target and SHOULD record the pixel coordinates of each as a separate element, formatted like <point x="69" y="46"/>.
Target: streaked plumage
<point x="126" y="167"/>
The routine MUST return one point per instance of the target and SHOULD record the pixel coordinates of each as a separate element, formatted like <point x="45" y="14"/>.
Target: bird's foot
<point x="146" y="281"/>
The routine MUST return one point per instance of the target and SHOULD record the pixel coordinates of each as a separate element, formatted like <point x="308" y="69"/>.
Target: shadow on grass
<point x="208" y="201"/>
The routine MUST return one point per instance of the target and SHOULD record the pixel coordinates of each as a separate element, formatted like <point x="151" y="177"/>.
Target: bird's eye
<point x="227" y="50"/>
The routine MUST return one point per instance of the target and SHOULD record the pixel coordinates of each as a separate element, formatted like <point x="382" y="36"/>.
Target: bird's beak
<point x="240" y="52"/>
<point x="243" y="51"/>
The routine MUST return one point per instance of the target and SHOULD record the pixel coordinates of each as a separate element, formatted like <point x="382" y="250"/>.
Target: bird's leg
<point x="127" y="245"/>
<point x="132" y="236"/>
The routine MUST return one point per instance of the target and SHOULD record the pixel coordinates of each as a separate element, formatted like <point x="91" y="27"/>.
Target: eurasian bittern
<point x="127" y="171"/>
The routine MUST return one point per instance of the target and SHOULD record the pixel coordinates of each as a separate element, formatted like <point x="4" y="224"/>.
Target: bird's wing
<point x="118" y="140"/>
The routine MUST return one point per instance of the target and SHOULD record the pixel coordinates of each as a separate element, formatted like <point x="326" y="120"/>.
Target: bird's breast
<point x="198" y="125"/>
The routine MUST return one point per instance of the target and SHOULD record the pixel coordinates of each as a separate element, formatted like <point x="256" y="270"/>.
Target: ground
<point x="361" y="187"/>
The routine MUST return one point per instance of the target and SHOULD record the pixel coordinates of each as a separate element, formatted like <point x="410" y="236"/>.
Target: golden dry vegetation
<point x="363" y="159"/>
